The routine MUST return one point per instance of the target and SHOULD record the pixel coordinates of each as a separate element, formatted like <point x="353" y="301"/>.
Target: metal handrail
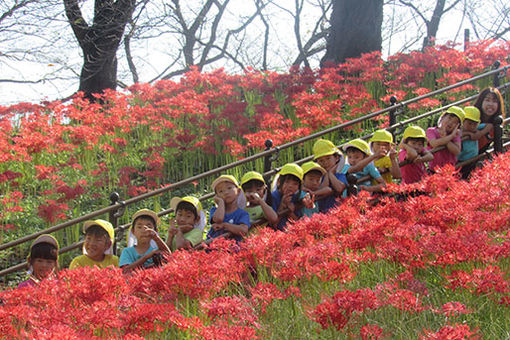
<point x="119" y="205"/>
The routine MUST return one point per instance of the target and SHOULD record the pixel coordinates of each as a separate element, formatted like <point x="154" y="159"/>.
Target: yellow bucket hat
<point x="309" y="166"/>
<point x="324" y="147"/>
<point x="224" y="178"/>
<point x="472" y="113"/>
<point x="252" y="175"/>
<point x="414" y="132"/>
<point x="292" y="169"/>
<point x="359" y="144"/>
<point x="455" y="110"/>
<point x="382" y="136"/>
<point x="107" y="226"/>
<point x="45" y="238"/>
<point x="147" y="212"/>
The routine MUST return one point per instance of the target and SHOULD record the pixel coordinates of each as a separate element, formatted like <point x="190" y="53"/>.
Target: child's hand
<point x="442" y="131"/>
<point x="218" y="200"/>
<point x="150" y="232"/>
<point x="362" y="187"/>
<point x="308" y="201"/>
<point x="218" y="226"/>
<point x="393" y="152"/>
<point x="418" y="159"/>
<point x="172" y="231"/>
<point x="153" y="252"/>
<point x="253" y="196"/>
<point x="379" y="154"/>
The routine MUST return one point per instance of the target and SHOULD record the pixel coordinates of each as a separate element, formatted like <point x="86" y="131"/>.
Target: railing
<point x="117" y="208"/>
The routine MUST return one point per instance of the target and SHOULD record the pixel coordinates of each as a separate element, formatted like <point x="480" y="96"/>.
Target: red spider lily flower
<point x="371" y="332"/>
<point x="455" y="331"/>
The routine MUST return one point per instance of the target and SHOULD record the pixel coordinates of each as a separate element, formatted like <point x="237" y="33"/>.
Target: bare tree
<point x="489" y="24"/>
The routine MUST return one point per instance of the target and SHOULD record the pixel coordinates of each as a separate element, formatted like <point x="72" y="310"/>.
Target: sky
<point x="62" y="58"/>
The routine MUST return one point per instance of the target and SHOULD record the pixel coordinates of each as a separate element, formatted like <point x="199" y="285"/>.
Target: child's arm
<point x="219" y="214"/>
<point x="180" y="241"/>
<point x="425" y="156"/>
<point x="139" y="263"/>
<point x="322" y="192"/>
<point x="374" y="188"/>
<point x="446" y="140"/>
<point x="236" y="229"/>
<point x="363" y="163"/>
<point x="159" y="242"/>
<point x="411" y="153"/>
<point x="334" y="182"/>
<point x="395" y="167"/>
<point x="479" y="133"/>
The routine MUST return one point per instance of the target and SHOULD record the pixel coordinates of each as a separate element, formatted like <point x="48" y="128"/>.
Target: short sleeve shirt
<point x="469" y="148"/>
<point x="443" y="156"/>
<point x="370" y="170"/>
<point x="85" y="261"/>
<point x="238" y="216"/>
<point x="130" y="255"/>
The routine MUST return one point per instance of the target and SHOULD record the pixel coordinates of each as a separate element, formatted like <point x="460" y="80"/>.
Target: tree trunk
<point x="355" y="29"/>
<point x="99" y="42"/>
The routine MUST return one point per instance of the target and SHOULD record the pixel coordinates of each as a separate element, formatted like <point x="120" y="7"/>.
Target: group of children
<point x="296" y="191"/>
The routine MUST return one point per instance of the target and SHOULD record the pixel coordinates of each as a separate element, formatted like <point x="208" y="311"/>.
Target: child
<point x="447" y="134"/>
<point x="469" y="149"/>
<point x="288" y="198"/>
<point x="381" y="143"/>
<point x="189" y="223"/>
<point x="42" y="260"/>
<point x="490" y="103"/>
<point x="327" y="155"/>
<point x="412" y="150"/>
<point x="144" y="244"/>
<point x="360" y="163"/>
<point x="228" y="214"/>
<point x="314" y="185"/>
<point x="97" y="247"/>
<point x="259" y="203"/>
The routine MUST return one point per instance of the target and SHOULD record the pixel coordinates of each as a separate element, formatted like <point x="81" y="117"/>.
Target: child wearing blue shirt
<point x="360" y="163"/>
<point x="144" y="243"/>
<point x="288" y="198"/>
<point x="228" y="215"/>
<point x="469" y="148"/>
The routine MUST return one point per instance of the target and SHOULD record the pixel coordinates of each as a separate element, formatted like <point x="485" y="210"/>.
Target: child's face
<point x="42" y="268"/>
<point x="383" y="146"/>
<point x="416" y="144"/>
<point x="141" y="229"/>
<point x="450" y="122"/>
<point x="290" y="186"/>
<point x="252" y="190"/>
<point x="327" y="162"/>
<point x="312" y="180"/>
<point x="185" y="217"/>
<point x="227" y="191"/>
<point x="490" y="104"/>
<point x="470" y="125"/>
<point x="355" y="156"/>
<point x="96" y="245"/>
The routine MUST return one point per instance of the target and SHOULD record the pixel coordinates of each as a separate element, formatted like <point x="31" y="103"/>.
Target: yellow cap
<point x="324" y="147"/>
<point x="224" y="178"/>
<point x="309" y="166"/>
<point x="292" y="169"/>
<point x="455" y="110"/>
<point x="174" y="202"/>
<point x="146" y="212"/>
<point x="472" y="113"/>
<point x="359" y="144"/>
<point x="414" y="131"/>
<point x="382" y="136"/>
<point x="252" y="175"/>
<point x="107" y="226"/>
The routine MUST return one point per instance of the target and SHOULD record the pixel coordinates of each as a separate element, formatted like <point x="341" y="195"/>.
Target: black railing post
<point x="495" y="80"/>
<point x="268" y="159"/>
<point x="393" y="112"/>
<point x="498" y="135"/>
<point x="112" y="217"/>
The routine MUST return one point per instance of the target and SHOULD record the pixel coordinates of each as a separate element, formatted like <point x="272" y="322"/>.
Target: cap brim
<point x="45" y="239"/>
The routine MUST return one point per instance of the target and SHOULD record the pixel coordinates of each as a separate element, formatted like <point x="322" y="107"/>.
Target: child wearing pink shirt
<point x="447" y="134"/>
<point x="412" y="150"/>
